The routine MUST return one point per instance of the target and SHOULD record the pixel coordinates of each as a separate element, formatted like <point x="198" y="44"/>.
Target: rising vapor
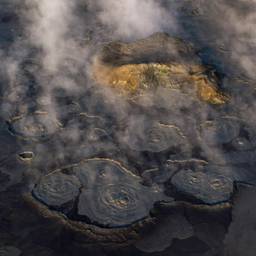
<point x="135" y="18"/>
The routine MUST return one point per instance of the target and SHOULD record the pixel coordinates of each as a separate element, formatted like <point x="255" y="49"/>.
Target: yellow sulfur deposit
<point x="133" y="79"/>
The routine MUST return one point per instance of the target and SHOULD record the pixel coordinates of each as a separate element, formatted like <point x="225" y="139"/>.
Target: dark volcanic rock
<point x="179" y="111"/>
<point x="161" y="237"/>
<point x="159" y="47"/>
<point x="143" y="135"/>
<point x="116" y="205"/>
<point x="26" y="156"/>
<point x="9" y="251"/>
<point x="210" y="188"/>
<point x="57" y="189"/>
<point x="219" y="131"/>
<point x="98" y="192"/>
<point x="228" y="140"/>
<point x="38" y="126"/>
<point x="240" y="239"/>
<point x="112" y="196"/>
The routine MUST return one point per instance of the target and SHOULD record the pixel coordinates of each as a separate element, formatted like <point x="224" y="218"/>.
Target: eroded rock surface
<point x="191" y="142"/>
<point x="98" y="191"/>
<point x="37" y="126"/>
<point x="228" y="140"/>
<point x="210" y="188"/>
<point x="172" y="227"/>
<point x="57" y="189"/>
<point x="240" y="237"/>
<point x="144" y="135"/>
<point x="157" y="61"/>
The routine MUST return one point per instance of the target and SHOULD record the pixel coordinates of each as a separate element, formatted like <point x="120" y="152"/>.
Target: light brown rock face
<point x="132" y="68"/>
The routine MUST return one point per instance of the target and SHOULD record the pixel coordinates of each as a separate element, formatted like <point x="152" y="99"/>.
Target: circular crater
<point x="37" y="126"/>
<point x="116" y="205"/>
<point x="242" y="149"/>
<point x="57" y="189"/>
<point x="228" y="140"/>
<point x="203" y="186"/>
<point x="97" y="192"/>
<point x="246" y="140"/>
<point x="154" y="137"/>
<point x="221" y="131"/>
